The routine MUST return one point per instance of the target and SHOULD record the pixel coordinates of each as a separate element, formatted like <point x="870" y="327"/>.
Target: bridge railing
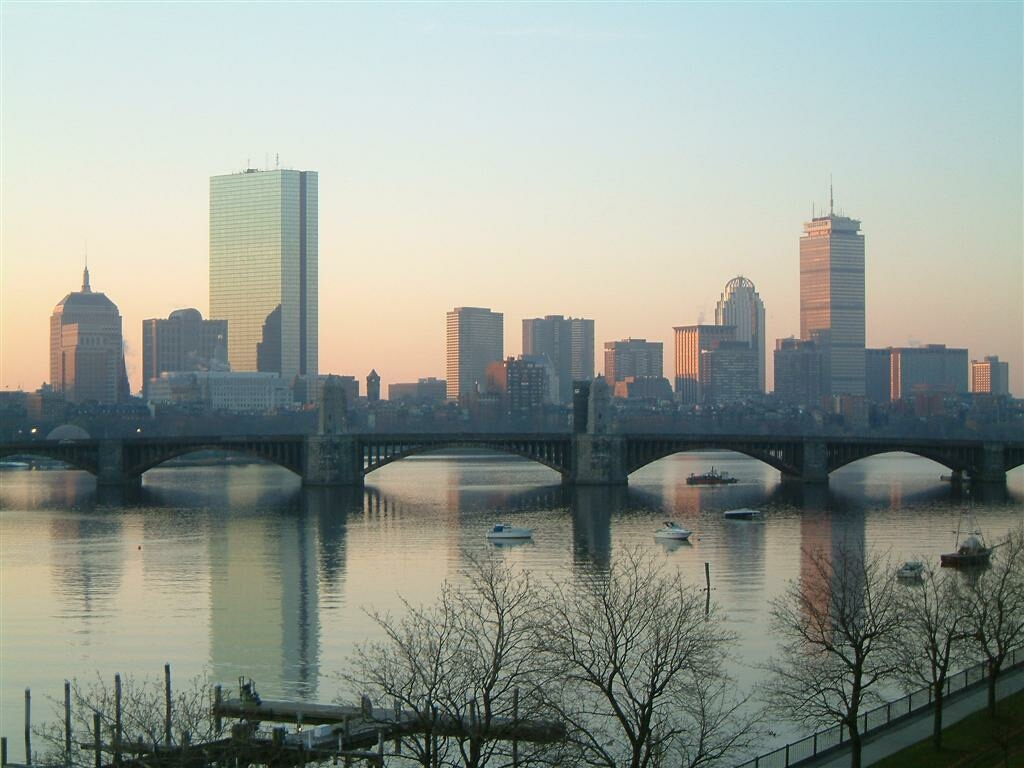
<point x="875" y="719"/>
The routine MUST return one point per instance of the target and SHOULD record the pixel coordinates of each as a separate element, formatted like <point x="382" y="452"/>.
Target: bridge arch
<point x="139" y="459"/>
<point x="552" y="453"/>
<point x="952" y="459"/>
<point x="77" y="456"/>
<point x="783" y="456"/>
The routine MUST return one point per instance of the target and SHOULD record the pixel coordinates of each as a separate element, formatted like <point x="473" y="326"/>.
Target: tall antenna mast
<point x="831" y="208"/>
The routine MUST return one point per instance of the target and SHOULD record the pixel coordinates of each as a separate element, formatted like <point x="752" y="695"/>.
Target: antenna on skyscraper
<point x="277" y="160"/>
<point x="831" y="209"/>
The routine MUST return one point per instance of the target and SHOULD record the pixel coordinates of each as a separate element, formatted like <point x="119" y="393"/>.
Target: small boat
<point x="504" y="531"/>
<point x="971" y="553"/>
<point x="711" y="477"/>
<point x="912" y="570"/>
<point x="743" y="514"/>
<point x="672" y="530"/>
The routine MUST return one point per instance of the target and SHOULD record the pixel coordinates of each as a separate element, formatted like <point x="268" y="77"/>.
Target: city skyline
<point x="609" y="162"/>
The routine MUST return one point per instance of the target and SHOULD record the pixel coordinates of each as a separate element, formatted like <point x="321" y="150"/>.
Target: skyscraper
<point x="990" y="376"/>
<point x="475" y="339"/>
<point x="633" y="357"/>
<point x="263" y="269"/>
<point x="567" y="343"/>
<point x="183" y="342"/>
<point x="690" y="342"/>
<point x="741" y="307"/>
<point x="87" y="348"/>
<point x="832" y="299"/>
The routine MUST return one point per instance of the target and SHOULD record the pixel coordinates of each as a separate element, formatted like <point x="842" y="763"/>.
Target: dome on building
<point x="68" y="432"/>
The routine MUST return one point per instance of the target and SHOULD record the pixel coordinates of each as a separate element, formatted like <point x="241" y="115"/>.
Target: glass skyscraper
<point x="263" y="269"/>
<point x="475" y="339"/>
<point x="832" y="300"/>
<point x="741" y="307"/>
<point x="567" y="343"/>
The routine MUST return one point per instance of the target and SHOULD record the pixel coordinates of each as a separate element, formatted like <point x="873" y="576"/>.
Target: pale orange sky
<point x="615" y="162"/>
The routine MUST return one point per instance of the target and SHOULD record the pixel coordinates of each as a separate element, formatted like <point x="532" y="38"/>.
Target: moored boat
<point x="743" y="514"/>
<point x="912" y="570"/>
<point x="972" y="552"/>
<point x="672" y="530"/>
<point x="711" y="477"/>
<point x="504" y="531"/>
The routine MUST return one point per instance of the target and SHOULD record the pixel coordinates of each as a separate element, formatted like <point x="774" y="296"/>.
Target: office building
<point x="429" y="391"/>
<point x="798" y="372"/>
<point x="248" y="393"/>
<point x="878" y="375"/>
<point x="632" y="357"/>
<point x="990" y="376"/>
<point x="184" y="341"/>
<point x="568" y="343"/>
<point x="475" y="339"/>
<point x="87" y="348"/>
<point x="741" y="307"/>
<point x="263" y="269"/>
<point x="373" y="386"/>
<point x="690" y="342"/>
<point x="729" y="373"/>
<point x="932" y="368"/>
<point x="832" y="299"/>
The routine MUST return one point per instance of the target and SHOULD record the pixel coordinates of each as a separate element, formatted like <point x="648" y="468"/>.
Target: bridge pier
<point x="814" y="463"/>
<point x="991" y="467"/>
<point x="333" y="460"/>
<point x="598" y="460"/>
<point x="110" y="465"/>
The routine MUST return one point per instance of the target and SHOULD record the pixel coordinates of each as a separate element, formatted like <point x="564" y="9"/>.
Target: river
<point x="229" y="571"/>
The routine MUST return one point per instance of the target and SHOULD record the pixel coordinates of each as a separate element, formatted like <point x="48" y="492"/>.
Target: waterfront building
<point x="878" y="375"/>
<point x="832" y="299"/>
<point x="184" y="341"/>
<point x="931" y="368"/>
<point x="475" y="339"/>
<point x="263" y="269"/>
<point x="568" y="343"/>
<point x="798" y="372"/>
<point x="87" y="348"/>
<point x="373" y="386"/>
<point x="526" y="384"/>
<point x="632" y="357"/>
<point x="235" y="392"/>
<point x="650" y="389"/>
<point x="690" y="342"/>
<point x="428" y="391"/>
<point x="729" y="373"/>
<point x="741" y="307"/>
<point x="990" y="376"/>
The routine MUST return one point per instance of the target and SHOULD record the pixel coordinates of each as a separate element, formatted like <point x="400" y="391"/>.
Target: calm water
<point x="231" y="571"/>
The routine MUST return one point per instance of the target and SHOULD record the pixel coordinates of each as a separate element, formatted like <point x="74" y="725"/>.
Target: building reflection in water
<point x="592" y="509"/>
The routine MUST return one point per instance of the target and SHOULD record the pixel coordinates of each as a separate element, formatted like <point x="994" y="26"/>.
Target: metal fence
<point x="877" y="718"/>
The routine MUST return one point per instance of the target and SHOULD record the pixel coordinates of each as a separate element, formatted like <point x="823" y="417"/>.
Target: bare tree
<point x="464" y="668"/>
<point x="839" y="624"/>
<point x="936" y="622"/>
<point x="996" y="600"/>
<point x="638" y="669"/>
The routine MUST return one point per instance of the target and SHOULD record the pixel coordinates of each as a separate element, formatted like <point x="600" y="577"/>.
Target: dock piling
<point x="28" y="726"/>
<point x="67" y="724"/>
<point x="167" y="705"/>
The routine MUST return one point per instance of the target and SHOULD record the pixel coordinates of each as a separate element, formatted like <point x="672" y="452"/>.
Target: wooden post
<point x="117" y="719"/>
<point x="28" y="727"/>
<point x="3" y="751"/>
<point x="97" y="745"/>
<point x="67" y="724"/>
<point x="398" y="727"/>
<point x="515" y="727"/>
<point x="218" y="698"/>
<point x="707" y="579"/>
<point x="380" y="746"/>
<point x="167" y="705"/>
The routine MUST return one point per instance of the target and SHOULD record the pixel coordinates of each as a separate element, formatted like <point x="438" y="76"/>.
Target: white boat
<point x="504" y="531"/>
<point x="743" y="514"/>
<point x="911" y="570"/>
<point x="672" y="530"/>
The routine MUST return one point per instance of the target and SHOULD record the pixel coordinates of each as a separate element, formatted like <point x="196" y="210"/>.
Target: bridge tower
<point x="598" y="456"/>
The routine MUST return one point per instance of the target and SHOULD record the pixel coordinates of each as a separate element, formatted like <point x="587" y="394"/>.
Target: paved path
<point x="918" y="727"/>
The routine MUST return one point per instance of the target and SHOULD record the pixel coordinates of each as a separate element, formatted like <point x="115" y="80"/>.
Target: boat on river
<point x="711" y="477"/>
<point x="972" y="552"/>
<point x="672" y="531"/>
<point x="912" y="570"/>
<point x="503" y="531"/>
<point x="743" y="514"/>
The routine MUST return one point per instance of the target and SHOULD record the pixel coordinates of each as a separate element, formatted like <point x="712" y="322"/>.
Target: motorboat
<point x="911" y="570"/>
<point x="743" y="514"/>
<point x="503" y="531"/>
<point x="711" y="477"/>
<point x="972" y="552"/>
<point x="672" y="530"/>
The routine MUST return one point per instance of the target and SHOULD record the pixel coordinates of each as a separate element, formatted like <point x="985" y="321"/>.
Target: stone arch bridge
<point x="585" y="459"/>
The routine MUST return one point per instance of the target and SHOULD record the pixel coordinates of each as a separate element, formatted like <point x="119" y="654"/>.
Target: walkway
<point x="918" y="727"/>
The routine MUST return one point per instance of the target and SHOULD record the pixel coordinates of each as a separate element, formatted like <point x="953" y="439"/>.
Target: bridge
<point x="580" y="458"/>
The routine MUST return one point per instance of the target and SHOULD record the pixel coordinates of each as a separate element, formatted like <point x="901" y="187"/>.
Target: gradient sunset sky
<point x="619" y="162"/>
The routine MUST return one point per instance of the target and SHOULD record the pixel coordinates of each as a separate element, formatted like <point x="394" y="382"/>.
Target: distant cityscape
<point x="257" y="353"/>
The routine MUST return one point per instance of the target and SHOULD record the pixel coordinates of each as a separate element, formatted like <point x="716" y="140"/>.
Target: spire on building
<point x="85" y="278"/>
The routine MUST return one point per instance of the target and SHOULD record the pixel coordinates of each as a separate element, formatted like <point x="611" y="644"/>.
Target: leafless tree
<point x="637" y="668"/>
<point x="463" y="667"/>
<point x="996" y="601"/>
<point x="935" y="635"/>
<point x="839" y="625"/>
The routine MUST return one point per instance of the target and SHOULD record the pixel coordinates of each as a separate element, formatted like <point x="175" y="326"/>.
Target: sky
<point x="620" y="162"/>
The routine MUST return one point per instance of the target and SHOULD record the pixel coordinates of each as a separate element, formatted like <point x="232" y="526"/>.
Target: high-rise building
<point x="798" y="372"/>
<point x="990" y="376"/>
<point x="183" y="342"/>
<point x="878" y="375"/>
<point x="632" y="357"/>
<point x="832" y="299"/>
<point x="729" y="373"/>
<point x="691" y="341"/>
<point x="741" y="307"/>
<point x="87" y="348"/>
<point x="475" y="339"/>
<point x="568" y="343"/>
<point x="263" y="269"/>
<point x="932" y="368"/>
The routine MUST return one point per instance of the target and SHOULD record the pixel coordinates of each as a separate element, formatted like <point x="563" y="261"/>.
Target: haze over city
<point x="615" y="162"/>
